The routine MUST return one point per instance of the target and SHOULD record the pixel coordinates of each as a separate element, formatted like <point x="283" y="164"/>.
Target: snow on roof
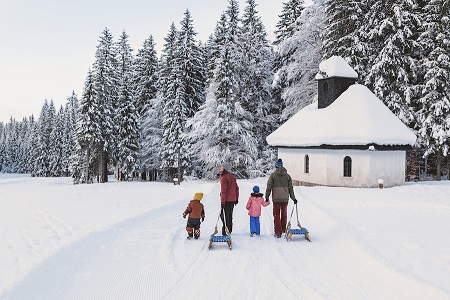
<point x="335" y="66"/>
<point x="357" y="117"/>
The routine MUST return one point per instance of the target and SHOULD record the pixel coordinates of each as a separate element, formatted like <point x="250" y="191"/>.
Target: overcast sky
<point x="47" y="46"/>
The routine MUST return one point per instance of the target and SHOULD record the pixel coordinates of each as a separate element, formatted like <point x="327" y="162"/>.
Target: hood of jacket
<point x="281" y="171"/>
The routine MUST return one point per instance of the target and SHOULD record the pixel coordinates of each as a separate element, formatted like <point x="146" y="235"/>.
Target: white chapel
<point x="347" y="138"/>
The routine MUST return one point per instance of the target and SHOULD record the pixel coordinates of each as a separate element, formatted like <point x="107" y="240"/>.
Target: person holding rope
<point x="229" y="196"/>
<point x="280" y="185"/>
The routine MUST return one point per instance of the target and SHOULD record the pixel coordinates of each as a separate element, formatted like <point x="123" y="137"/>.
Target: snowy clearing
<point x="127" y="240"/>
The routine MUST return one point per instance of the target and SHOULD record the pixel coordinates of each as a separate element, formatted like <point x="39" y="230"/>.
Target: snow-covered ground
<point x="127" y="240"/>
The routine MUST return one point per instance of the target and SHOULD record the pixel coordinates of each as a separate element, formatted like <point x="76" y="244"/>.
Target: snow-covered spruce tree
<point x="285" y="28"/>
<point x="144" y="82"/>
<point x="125" y="64"/>
<point x="192" y="67"/>
<point x="11" y="146"/>
<point x="341" y="36"/>
<point x="42" y="148"/>
<point x="151" y="133"/>
<point x="304" y="49"/>
<point x="254" y="65"/>
<point x="127" y="133"/>
<point x="2" y="148"/>
<point x="214" y="46"/>
<point x="393" y="76"/>
<point x="106" y="80"/>
<point x="70" y="121"/>
<point x="222" y="123"/>
<point x="173" y="157"/>
<point x="192" y="62"/>
<point x="57" y="145"/>
<point x="88" y="133"/>
<point x="145" y="76"/>
<point x="434" y="113"/>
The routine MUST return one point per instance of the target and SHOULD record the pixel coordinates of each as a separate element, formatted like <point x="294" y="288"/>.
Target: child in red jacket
<point x="254" y="210"/>
<point x="196" y="212"/>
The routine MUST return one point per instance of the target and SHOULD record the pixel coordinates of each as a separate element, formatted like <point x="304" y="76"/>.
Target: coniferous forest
<point x="198" y="104"/>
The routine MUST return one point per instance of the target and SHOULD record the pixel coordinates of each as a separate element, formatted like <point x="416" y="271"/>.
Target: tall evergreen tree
<point x="127" y="132"/>
<point x="254" y="77"/>
<point x="70" y="142"/>
<point x="151" y="132"/>
<point x="393" y="76"/>
<point x="192" y="68"/>
<point x="106" y="80"/>
<point x="88" y="133"/>
<point x="41" y="147"/>
<point x="145" y="76"/>
<point x="175" y="108"/>
<point x="304" y="50"/>
<point x="285" y="27"/>
<point x="342" y="36"/>
<point x="434" y="113"/>
<point x="57" y="145"/>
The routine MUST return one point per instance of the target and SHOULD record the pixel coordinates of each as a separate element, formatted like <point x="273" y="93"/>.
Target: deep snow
<point x="127" y="240"/>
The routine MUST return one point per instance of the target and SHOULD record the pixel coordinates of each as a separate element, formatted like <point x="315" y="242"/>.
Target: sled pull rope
<point x="215" y="229"/>
<point x="296" y="212"/>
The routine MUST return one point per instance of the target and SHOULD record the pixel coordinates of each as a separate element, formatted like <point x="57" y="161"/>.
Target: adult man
<point x="229" y="196"/>
<point x="280" y="184"/>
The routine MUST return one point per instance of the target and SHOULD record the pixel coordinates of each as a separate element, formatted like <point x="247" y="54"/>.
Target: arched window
<point x="347" y="166"/>
<point x="306" y="164"/>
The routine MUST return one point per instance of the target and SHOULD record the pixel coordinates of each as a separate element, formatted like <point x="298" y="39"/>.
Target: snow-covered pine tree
<point x="144" y="81"/>
<point x="214" y="45"/>
<point x="393" y="76"/>
<point x="285" y="28"/>
<point x="254" y="75"/>
<point x="434" y="113"/>
<point x="57" y="145"/>
<point x="151" y="133"/>
<point x="2" y="147"/>
<point x="70" y="121"/>
<point x="127" y="132"/>
<point x="106" y="80"/>
<point x="192" y="68"/>
<point x="174" y="113"/>
<point x="11" y="147"/>
<point x="221" y="130"/>
<point x="145" y="76"/>
<point x="304" y="52"/>
<point x="41" y="149"/>
<point x="125" y="64"/>
<point x="88" y="133"/>
<point x="341" y="36"/>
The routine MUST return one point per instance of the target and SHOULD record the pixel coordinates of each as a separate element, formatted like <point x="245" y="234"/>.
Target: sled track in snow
<point x="71" y="273"/>
<point x="346" y="234"/>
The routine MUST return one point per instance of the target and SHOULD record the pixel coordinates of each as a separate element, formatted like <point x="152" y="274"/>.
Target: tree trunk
<point x="438" y="165"/>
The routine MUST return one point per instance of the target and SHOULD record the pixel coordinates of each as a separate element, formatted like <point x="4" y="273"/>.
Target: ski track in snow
<point x="149" y="257"/>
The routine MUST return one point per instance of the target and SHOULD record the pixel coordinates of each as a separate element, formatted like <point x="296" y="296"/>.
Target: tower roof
<point x="335" y="66"/>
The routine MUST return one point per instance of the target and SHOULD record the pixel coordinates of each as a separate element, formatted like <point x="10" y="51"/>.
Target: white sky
<point x="47" y="46"/>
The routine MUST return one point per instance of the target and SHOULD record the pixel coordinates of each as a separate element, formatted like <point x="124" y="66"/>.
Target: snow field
<point x="127" y="240"/>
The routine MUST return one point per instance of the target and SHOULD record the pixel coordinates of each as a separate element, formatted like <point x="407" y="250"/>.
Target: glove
<point x="295" y="201"/>
<point x="223" y="205"/>
<point x="203" y="219"/>
<point x="184" y="216"/>
<point x="267" y="200"/>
